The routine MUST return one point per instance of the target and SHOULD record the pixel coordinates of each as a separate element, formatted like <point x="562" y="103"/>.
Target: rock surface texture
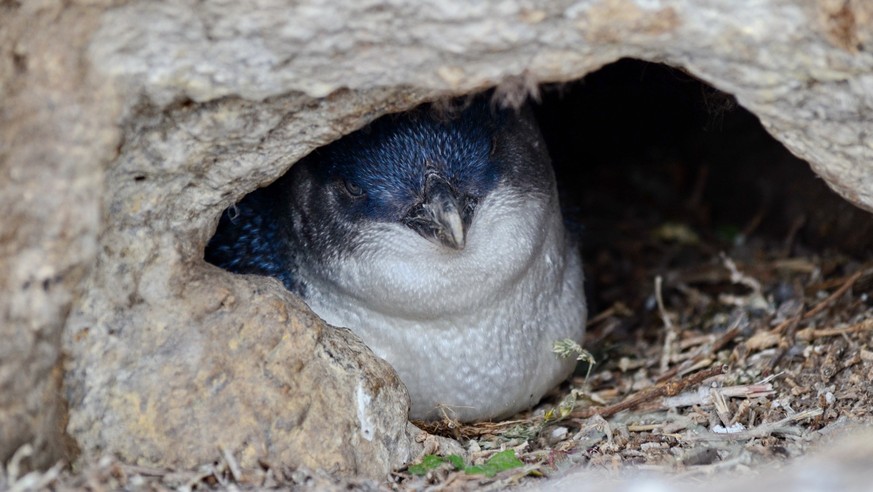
<point x="127" y="127"/>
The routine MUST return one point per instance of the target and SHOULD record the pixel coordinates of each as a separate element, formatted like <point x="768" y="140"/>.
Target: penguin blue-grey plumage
<point x="437" y="238"/>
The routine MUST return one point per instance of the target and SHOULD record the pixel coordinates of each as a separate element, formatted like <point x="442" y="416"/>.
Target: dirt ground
<point x="731" y="318"/>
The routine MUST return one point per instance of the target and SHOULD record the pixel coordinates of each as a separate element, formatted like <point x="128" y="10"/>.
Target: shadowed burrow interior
<point x="644" y="149"/>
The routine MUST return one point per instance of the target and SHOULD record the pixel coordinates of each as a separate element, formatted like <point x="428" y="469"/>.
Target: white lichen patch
<point x="362" y="401"/>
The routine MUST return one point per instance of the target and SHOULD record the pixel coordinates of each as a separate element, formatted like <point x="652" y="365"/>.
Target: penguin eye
<point x="353" y="189"/>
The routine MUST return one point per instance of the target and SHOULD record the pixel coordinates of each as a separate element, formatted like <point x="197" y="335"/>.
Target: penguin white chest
<point x="470" y="332"/>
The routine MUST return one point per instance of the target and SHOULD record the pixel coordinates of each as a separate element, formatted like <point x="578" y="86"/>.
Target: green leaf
<point x="456" y="461"/>
<point x="428" y="463"/>
<point x="502" y="461"/>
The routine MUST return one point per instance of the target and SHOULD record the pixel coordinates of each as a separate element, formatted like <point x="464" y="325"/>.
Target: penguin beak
<point x="438" y="217"/>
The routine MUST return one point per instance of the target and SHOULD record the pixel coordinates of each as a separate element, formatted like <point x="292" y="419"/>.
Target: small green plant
<point x="432" y="462"/>
<point x="563" y="410"/>
<point x="504" y="460"/>
<point x="567" y="348"/>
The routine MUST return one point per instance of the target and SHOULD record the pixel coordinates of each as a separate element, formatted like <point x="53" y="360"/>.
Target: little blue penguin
<point x="437" y="237"/>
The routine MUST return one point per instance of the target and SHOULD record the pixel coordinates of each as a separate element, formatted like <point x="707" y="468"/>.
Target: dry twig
<point x="669" y="330"/>
<point x="670" y="388"/>
<point x="836" y="295"/>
